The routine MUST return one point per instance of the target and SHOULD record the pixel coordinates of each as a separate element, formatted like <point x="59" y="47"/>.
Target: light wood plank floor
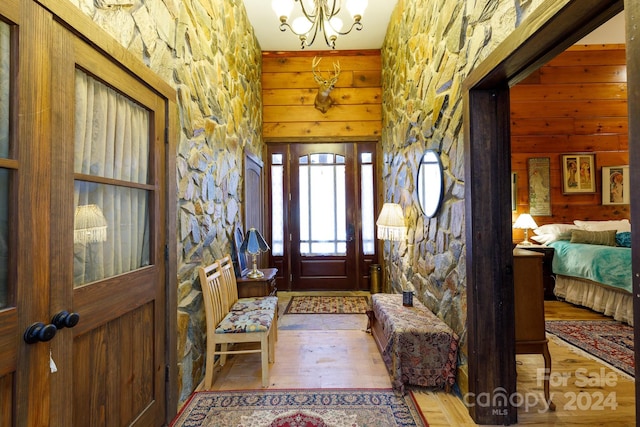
<point x="348" y="358"/>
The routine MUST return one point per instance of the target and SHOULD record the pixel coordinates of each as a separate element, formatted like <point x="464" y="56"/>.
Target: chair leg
<point x="208" y="370"/>
<point x="272" y="343"/>
<point x="223" y="356"/>
<point x="264" y="356"/>
<point x="275" y="324"/>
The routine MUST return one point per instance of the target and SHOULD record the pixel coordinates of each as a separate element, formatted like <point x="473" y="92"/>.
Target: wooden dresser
<point x="529" y="309"/>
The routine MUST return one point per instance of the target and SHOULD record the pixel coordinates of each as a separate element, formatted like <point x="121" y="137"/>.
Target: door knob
<point x="64" y="319"/>
<point x="39" y="332"/>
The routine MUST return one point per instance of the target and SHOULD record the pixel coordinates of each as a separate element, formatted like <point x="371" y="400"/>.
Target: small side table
<point x="260" y="287"/>
<point x="548" y="279"/>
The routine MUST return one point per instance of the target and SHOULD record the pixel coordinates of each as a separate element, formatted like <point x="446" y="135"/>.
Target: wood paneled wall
<point x="576" y="103"/>
<point x="289" y="90"/>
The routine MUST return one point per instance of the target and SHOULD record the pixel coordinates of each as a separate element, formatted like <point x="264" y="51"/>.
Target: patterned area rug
<point x="608" y="340"/>
<point x="327" y="305"/>
<point x="300" y="408"/>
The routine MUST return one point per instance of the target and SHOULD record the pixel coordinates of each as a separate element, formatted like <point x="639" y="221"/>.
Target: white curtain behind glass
<point x="111" y="141"/>
<point x="4" y="152"/>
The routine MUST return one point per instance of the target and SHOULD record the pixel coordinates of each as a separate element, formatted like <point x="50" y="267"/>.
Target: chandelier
<point x="319" y="16"/>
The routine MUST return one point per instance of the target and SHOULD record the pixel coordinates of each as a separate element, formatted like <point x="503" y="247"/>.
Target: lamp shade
<point x="90" y="225"/>
<point x="357" y="7"/>
<point x="282" y="7"/>
<point x="254" y="243"/>
<point x="525" y="221"/>
<point x="390" y="222"/>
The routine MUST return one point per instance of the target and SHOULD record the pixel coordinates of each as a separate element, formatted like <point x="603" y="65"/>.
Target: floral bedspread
<point x="421" y="350"/>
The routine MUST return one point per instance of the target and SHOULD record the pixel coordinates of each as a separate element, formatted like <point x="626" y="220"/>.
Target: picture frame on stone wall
<point x="616" y="189"/>
<point x="578" y="173"/>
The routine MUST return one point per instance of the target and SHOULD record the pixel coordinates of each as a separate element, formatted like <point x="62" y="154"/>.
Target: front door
<point x="82" y="214"/>
<point x="323" y="235"/>
<point x="323" y="200"/>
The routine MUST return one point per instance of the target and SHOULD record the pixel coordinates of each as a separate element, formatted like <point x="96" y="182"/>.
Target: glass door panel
<point x="111" y="227"/>
<point x="322" y="205"/>
<point x="5" y="173"/>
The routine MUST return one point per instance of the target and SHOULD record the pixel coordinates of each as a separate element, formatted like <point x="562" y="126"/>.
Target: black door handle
<point x="64" y="319"/>
<point x="39" y="332"/>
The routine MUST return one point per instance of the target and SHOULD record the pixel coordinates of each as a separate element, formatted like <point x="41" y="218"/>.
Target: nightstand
<point x="260" y="287"/>
<point x="548" y="279"/>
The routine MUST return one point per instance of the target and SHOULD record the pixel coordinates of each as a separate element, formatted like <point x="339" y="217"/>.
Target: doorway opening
<point x="490" y="315"/>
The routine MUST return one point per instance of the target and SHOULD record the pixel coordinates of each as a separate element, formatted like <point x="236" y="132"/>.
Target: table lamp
<point x="525" y="222"/>
<point x="254" y="244"/>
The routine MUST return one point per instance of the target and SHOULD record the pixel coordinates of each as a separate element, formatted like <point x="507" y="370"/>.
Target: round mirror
<point x="430" y="185"/>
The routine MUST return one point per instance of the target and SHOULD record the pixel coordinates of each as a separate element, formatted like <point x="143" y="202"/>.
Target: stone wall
<point x="207" y="51"/>
<point x="429" y="50"/>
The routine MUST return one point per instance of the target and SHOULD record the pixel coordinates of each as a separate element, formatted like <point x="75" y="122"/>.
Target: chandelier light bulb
<point x="282" y="7"/>
<point x="357" y="7"/>
<point x="301" y="25"/>
<point x="335" y="26"/>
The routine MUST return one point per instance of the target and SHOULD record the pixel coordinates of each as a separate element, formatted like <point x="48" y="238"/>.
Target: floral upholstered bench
<point x="231" y="320"/>
<point x="417" y="347"/>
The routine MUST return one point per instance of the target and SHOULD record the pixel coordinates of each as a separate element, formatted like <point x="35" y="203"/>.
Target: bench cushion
<point x="255" y="303"/>
<point x="246" y="321"/>
<point x="421" y="349"/>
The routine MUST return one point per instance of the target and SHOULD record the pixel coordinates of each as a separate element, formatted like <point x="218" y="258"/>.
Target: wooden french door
<point x="323" y="233"/>
<point x="82" y="235"/>
<point x="322" y="212"/>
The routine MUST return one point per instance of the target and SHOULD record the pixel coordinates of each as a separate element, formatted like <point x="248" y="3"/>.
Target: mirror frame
<point x="426" y="192"/>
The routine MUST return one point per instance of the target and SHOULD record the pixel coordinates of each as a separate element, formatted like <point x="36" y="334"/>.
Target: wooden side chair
<point x="236" y="304"/>
<point x="228" y="327"/>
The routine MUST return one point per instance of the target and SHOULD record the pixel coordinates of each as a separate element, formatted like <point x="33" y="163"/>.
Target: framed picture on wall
<point x="539" y="186"/>
<point x="615" y="185"/>
<point x="578" y="173"/>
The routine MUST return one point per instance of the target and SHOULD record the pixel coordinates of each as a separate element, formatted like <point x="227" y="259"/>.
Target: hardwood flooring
<point x="584" y="390"/>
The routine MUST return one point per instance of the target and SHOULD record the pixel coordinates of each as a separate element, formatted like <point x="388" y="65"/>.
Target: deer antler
<point x="319" y="78"/>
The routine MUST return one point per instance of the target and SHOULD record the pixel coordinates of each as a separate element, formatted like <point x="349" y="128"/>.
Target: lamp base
<point x="255" y="274"/>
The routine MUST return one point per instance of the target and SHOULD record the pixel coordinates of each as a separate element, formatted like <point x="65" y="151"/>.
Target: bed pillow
<point x="605" y="238"/>
<point x="554" y="228"/>
<point x="624" y="239"/>
<point x="544" y="239"/>
<point x="619" y="225"/>
<point x="548" y="233"/>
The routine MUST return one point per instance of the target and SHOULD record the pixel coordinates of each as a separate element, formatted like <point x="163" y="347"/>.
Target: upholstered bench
<point x="417" y="347"/>
<point x="231" y="321"/>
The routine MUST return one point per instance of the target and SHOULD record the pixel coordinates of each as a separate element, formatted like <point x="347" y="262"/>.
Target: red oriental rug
<point x="608" y="340"/>
<point x="300" y="408"/>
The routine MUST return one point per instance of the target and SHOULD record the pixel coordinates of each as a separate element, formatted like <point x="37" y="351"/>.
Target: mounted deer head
<point x="323" y="101"/>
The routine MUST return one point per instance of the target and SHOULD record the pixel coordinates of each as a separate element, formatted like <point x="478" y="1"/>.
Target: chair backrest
<point x="229" y="280"/>
<point x="213" y="295"/>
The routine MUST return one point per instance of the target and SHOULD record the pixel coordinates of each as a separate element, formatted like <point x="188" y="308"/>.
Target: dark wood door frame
<point x="548" y="31"/>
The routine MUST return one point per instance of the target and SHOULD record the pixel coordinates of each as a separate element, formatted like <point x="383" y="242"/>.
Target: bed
<point x="592" y="266"/>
